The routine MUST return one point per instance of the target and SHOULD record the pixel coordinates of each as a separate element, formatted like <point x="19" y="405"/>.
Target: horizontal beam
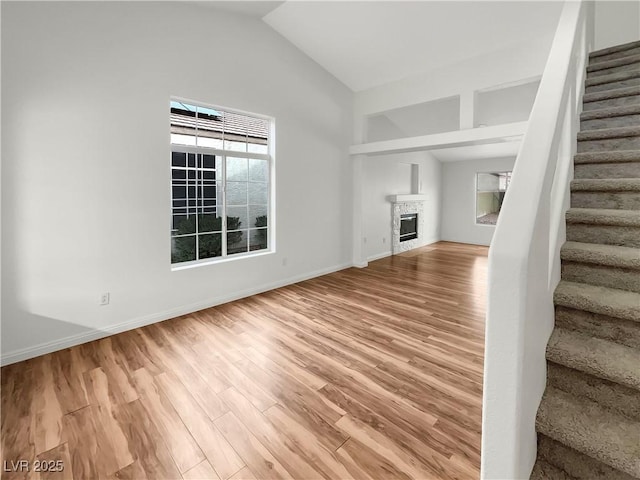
<point x="458" y="138"/>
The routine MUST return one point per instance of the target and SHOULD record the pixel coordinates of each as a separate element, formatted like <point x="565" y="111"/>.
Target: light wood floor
<point x="364" y="373"/>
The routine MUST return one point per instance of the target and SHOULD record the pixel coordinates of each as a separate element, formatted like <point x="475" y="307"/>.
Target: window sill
<point x="216" y="261"/>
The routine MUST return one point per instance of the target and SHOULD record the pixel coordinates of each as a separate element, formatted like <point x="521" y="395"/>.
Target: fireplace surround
<point x="408" y="208"/>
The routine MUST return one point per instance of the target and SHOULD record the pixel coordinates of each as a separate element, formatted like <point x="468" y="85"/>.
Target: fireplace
<point x="408" y="227"/>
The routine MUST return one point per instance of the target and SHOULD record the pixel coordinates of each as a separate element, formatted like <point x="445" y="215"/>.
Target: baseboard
<point x="73" y="340"/>
<point x="378" y="256"/>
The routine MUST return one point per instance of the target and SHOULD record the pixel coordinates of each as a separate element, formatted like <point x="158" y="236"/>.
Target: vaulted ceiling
<point x="369" y="43"/>
<point x="366" y="44"/>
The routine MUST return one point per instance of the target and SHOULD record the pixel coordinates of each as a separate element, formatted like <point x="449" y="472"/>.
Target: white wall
<point x="458" y="217"/>
<point x="516" y="63"/>
<point x="616" y="23"/>
<point x="391" y="175"/>
<point x="85" y="185"/>
<point x="422" y="119"/>
<point x="505" y="105"/>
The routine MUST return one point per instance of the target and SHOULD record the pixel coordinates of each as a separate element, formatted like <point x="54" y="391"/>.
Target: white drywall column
<point x="359" y="259"/>
<point x="467" y="109"/>
<point x="416" y="178"/>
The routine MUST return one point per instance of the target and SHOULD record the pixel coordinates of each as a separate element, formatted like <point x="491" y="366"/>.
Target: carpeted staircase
<point x="588" y="422"/>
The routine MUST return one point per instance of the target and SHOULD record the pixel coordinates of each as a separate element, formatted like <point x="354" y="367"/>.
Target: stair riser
<point x="575" y="423"/>
<point x="607" y="170"/>
<point x="610" y="122"/>
<point x="620" y="143"/>
<point x="608" y="200"/>
<point x="566" y="352"/>
<point x="603" y="276"/>
<point x="624" y="332"/>
<point x="574" y="464"/>
<point x="613" y="56"/>
<point x="611" y="395"/>
<point x="621" y="68"/>
<point x="601" y="87"/>
<point x="604" y="234"/>
<point x="611" y="102"/>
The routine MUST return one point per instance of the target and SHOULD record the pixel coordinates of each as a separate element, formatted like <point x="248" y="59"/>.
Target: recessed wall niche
<point x="496" y="106"/>
<point x="436" y="116"/>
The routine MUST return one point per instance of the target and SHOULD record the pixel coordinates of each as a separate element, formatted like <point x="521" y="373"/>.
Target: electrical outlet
<point x="284" y="262"/>
<point x="384" y="239"/>
<point x="104" y="298"/>
<point x="364" y="239"/>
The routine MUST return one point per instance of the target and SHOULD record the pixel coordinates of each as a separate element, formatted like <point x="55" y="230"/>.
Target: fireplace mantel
<point x="407" y="198"/>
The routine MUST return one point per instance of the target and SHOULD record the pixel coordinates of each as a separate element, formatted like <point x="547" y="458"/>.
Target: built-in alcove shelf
<point x="410" y="197"/>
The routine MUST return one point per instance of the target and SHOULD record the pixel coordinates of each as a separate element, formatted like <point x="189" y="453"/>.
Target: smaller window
<point x="490" y="190"/>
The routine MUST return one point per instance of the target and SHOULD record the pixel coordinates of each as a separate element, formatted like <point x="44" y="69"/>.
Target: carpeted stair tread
<point x="624" y="332"/>
<point x="616" y="62"/>
<point x="545" y="471"/>
<point x="595" y="356"/>
<point x="602" y="216"/>
<point x="593" y="56"/>
<point x="613" y="55"/>
<point x="613" y="156"/>
<point x="613" y="93"/>
<point x="603" y="300"/>
<point x="612" y="78"/>
<point x="575" y="464"/>
<point x="622" y="399"/>
<point x="609" y="255"/>
<point x="590" y="429"/>
<point x="610" y="112"/>
<point x="604" y="133"/>
<point x="606" y="185"/>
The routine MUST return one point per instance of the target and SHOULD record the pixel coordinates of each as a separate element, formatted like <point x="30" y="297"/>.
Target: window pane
<point x="233" y="223"/>
<point x="179" y="177"/>
<point x="179" y="192"/>
<point x="210" y="142"/>
<point x="258" y="170"/>
<point x="237" y="242"/>
<point x="239" y="213"/>
<point x="208" y="221"/>
<point x="258" y="148"/>
<point x="258" y="193"/>
<point x="236" y="193"/>
<point x="490" y="192"/>
<point x="209" y="192"/>
<point x="208" y="161"/>
<point x="178" y="159"/>
<point x="257" y="215"/>
<point x="183" y="223"/>
<point x="257" y="239"/>
<point x="208" y="177"/>
<point x="236" y="146"/>
<point x="236" y="169"/>
<point x="183" y="249"/>
<point x="180" y="139"/>
<point x="210" y="246"/>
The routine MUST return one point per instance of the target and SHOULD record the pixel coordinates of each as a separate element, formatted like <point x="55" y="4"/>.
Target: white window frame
<point x="223" y="154"/>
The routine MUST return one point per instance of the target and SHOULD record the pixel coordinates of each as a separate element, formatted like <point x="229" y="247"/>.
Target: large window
<point x="490" y="191"/>
<point x="221" y="166"/>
